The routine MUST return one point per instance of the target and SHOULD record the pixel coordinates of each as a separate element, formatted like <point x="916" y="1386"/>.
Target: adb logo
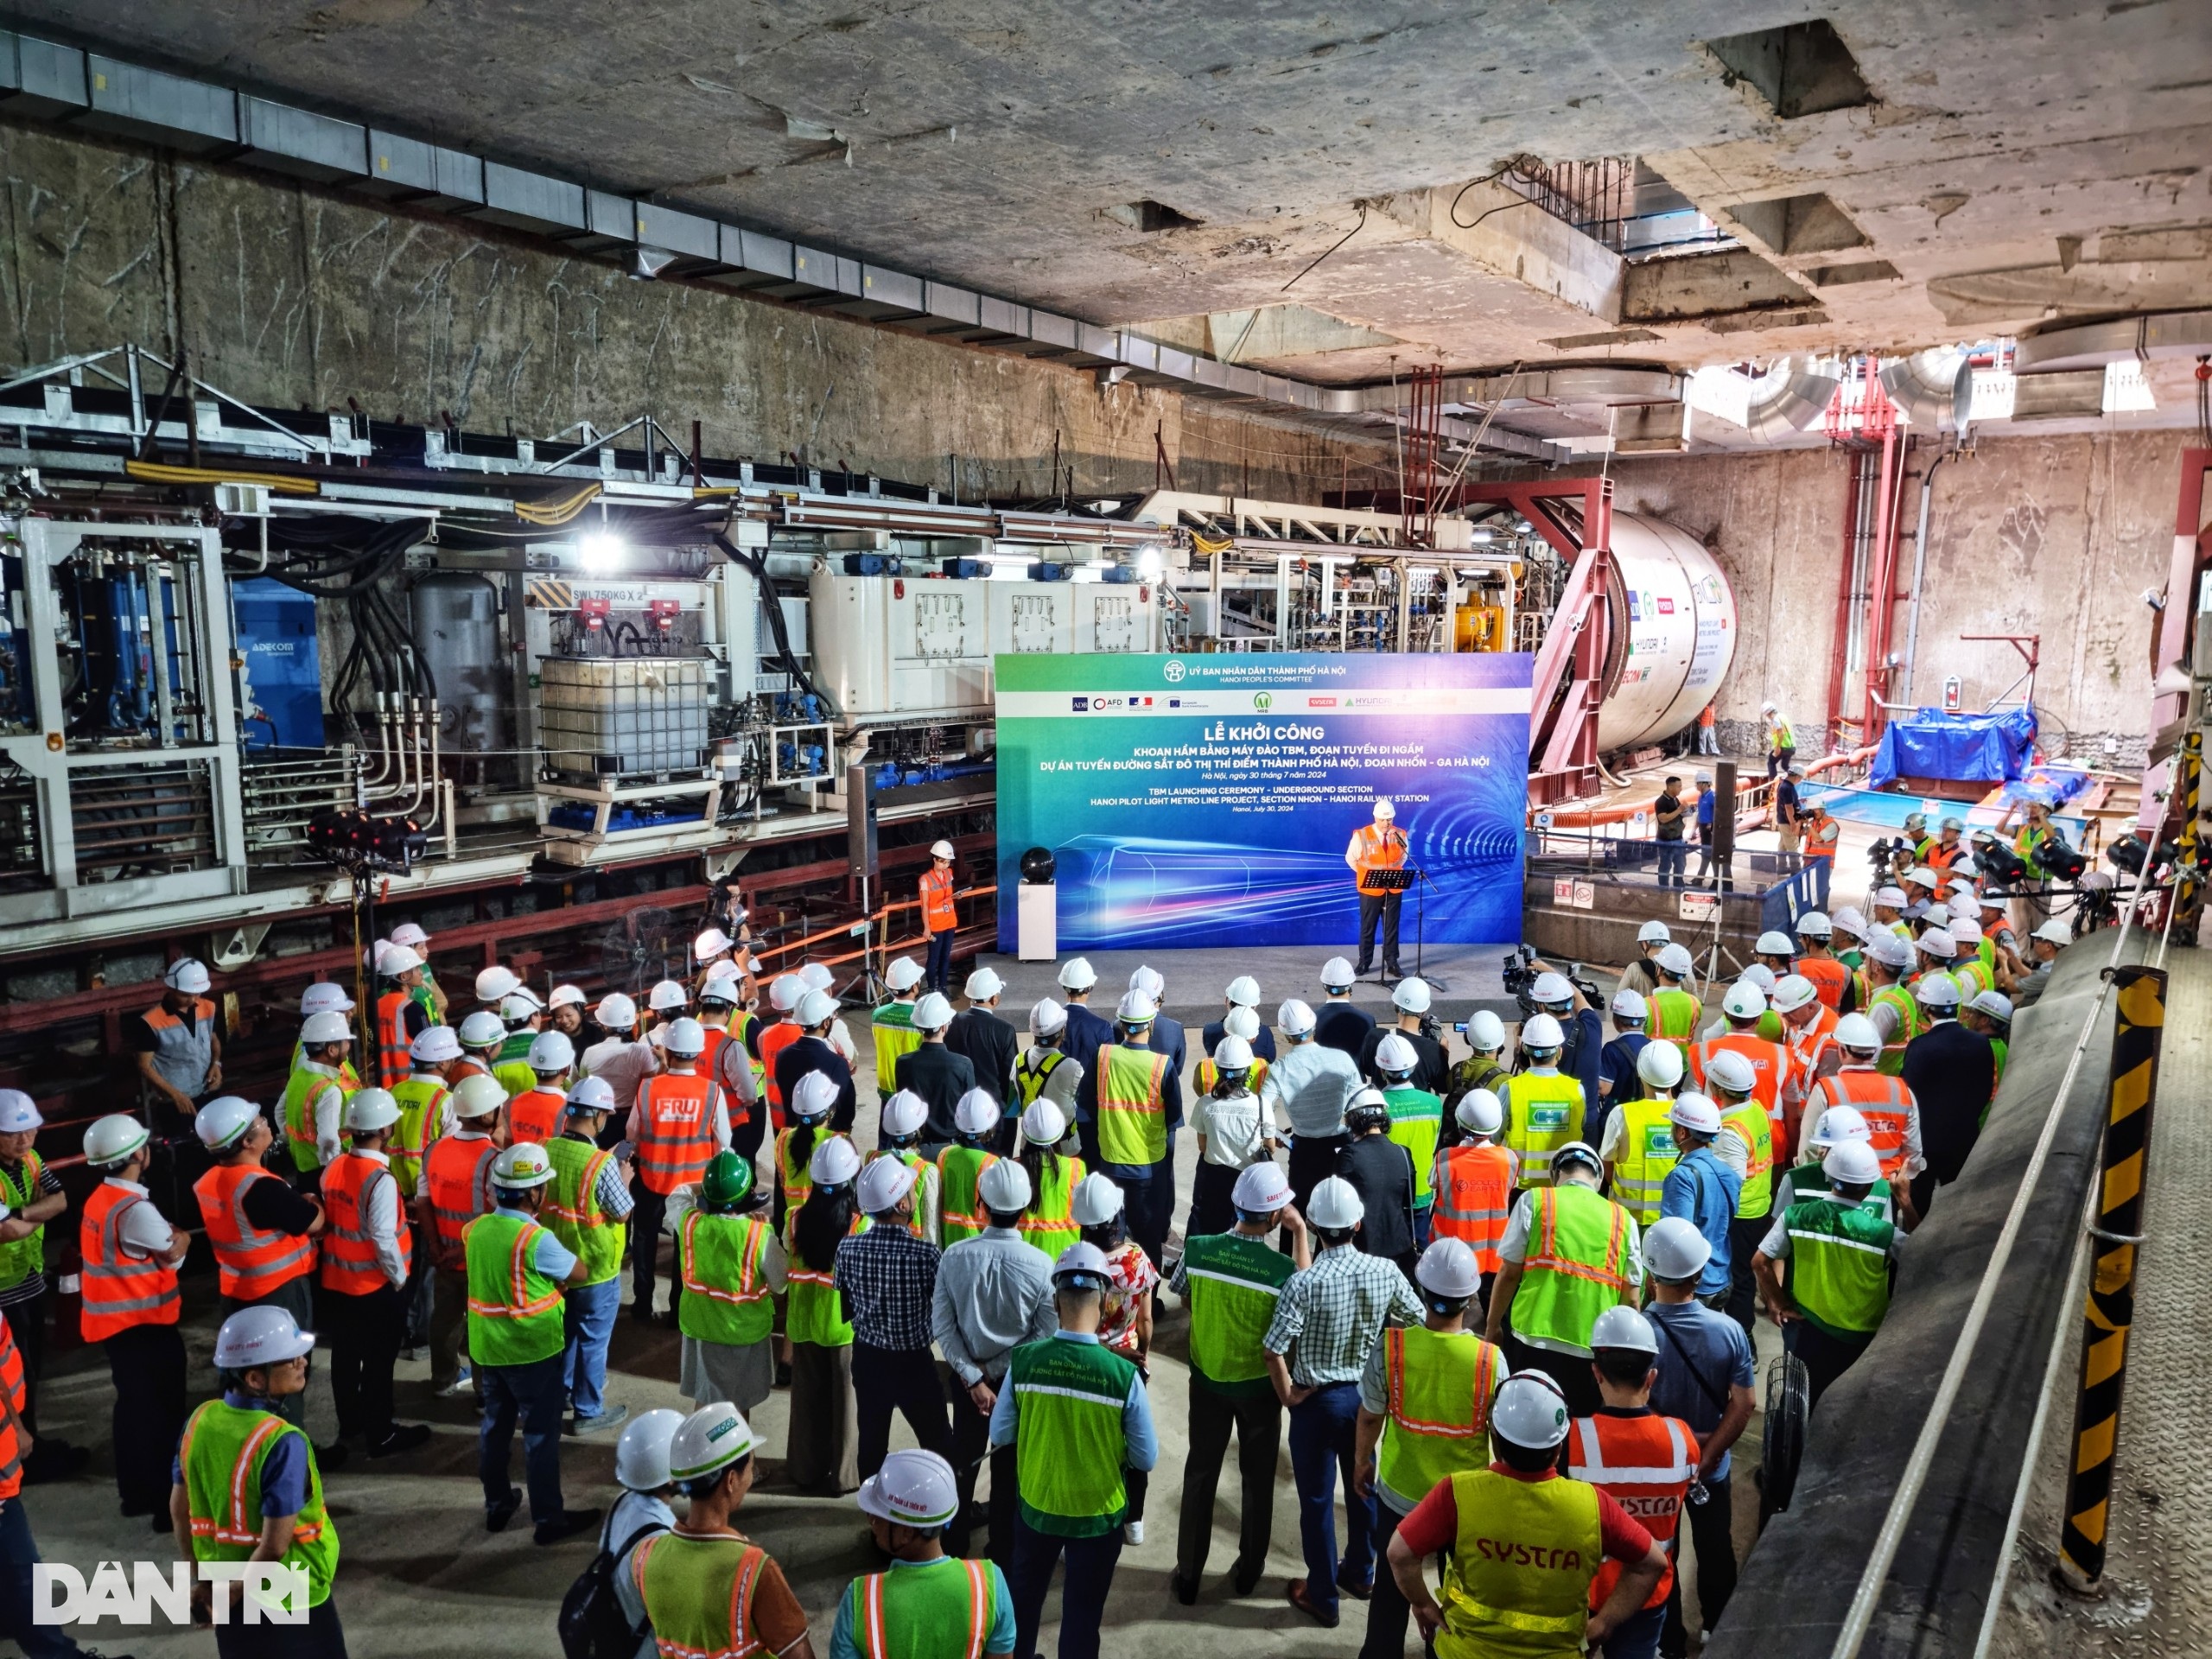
<point x="1263" y="700"/>
<point x="1173" y="670"/>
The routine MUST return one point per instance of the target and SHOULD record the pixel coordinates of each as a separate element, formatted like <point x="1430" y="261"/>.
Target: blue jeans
<point x="530" y="1393"/>
<point x="1321" y="1447"/>
<point x="936" y="973"/>
<point x="1673" y="859"/>
<point x="589" y="1315"/>
<point x="1082" y="1596"/>
<point x="18" y="1555"/>
<point x="1638" y="1636"/>
<point x="1424" y="1216"/>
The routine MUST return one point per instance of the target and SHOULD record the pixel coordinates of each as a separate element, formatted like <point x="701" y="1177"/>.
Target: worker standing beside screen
<point x="1380" y="845"/>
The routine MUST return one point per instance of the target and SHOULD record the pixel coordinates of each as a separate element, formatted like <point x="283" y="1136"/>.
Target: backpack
<point x="592" y="1623"/>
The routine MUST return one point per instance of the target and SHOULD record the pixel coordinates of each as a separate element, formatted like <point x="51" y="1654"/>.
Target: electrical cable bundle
<point x="773" y="609"/>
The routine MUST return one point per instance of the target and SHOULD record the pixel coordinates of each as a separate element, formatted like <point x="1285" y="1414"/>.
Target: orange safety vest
<point x="1883" y="1100"/>
<point x="1770" y="1061"/>
<point x="675" y="1114"/>
<point x="249" y="1263"/>
<point x="773" y="1041"/>
<point x="1377" y="849"/>
<point x="536" y="1115"/>
<point x="119" y="1290"/>
<point x="1940" y="858"/>
<point x="11" y="1445"/>
<point x="938" y="915"/>
<point x="1474" y="1200"/>
<point x="1828" y="976"/>
<point x="349" y="1254"/>
<point x="455" y="1175"/>
<point x="393" y="1061"/>
<point x="1815" y="823"/>
<point x="1647" y="1463"/>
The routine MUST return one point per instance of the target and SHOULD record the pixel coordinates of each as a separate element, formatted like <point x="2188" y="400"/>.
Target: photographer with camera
<point x="2043" y="946"/>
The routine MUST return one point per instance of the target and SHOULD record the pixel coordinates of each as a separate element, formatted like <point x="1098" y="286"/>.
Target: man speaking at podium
<point x="1377" y="847"/>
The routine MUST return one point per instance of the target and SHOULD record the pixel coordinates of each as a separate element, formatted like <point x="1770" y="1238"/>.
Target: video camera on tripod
<point x="1521" y="980"/>
<point x="1887" y="860"/>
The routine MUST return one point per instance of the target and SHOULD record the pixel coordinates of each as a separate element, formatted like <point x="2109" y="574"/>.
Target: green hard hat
<point x="727" y="1182"/>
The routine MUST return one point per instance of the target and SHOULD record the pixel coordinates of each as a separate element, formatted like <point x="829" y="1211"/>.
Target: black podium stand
<point x="1401" y="879"/>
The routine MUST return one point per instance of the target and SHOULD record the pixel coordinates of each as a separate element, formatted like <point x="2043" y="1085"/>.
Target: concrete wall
<point x="293" y="296"/>
<point x="2056" y="536"/>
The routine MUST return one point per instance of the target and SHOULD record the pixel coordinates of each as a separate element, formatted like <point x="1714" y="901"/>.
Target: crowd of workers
<point x="1501" y="1302"/>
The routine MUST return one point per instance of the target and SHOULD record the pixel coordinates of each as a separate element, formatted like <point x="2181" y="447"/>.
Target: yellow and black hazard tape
<point x="544" y="594"/>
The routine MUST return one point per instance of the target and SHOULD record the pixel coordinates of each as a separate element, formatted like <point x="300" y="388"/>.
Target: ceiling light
<point x="1482" y="535"/>
<point x="599" y="551"/>
<point x="1149" y="563"/>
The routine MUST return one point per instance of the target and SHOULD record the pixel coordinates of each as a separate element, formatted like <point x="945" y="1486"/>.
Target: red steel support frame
<point x="1572" y="664"/>
<point x="2170" y="635"/>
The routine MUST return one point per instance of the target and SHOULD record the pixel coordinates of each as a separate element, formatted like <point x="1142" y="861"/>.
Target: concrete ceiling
<point x="2014" y="164"/>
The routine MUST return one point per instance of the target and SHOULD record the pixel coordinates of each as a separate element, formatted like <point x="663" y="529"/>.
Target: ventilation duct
<point x="1792" y="396"/>
<point x="1934" y="388"/>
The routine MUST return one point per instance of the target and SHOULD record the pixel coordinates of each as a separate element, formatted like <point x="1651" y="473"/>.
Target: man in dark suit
<point x="1087" y="1033"/>
<point x="934" y="1071"/>
<point x="816" y="1013"/>
<point x="988" y="1041"/>
<point x="1244" y="993"/>
<point x="1411" y="999"/>
<point x="1952" y="1073"/>
<point x="1336" y="1023"/>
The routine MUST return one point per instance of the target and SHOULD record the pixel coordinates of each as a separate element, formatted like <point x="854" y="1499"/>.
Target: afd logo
<point x="273" y="1593"/>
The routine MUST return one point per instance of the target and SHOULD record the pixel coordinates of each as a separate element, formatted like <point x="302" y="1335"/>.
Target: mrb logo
<point x="272" y="1593"/>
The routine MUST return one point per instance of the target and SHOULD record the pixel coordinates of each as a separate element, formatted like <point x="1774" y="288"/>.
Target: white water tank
<point x="1677" y="614"/>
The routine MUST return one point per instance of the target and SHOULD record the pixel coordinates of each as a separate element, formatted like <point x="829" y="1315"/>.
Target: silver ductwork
<point x="1792" y="396"/>
<point x="1934" y="388"/>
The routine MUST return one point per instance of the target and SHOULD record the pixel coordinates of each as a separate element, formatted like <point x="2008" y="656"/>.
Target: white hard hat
<point x="1965" y="930"/>
<point x="1922" y="877"/>
<point x="1242" y="1022"/>
<point x="1631" y="1005"/>
<point x="568" y="996"/>
<point x="1891" y="896"/>
<point x="1995" y="1004"/>
<point x="1047" y="1017"/>
<point x="1411" y="996"/>
<point x="1541" y="1032"/>
<point x="18" y="1112"/>
<point x="1077" y="975"/>
<point x="710" y="943"/>
<point x="1232" y="1054"/>
<point x="1849" y="919"/>
<point x="815" y="1009"/>
<point x="686" y="1038"/>
<point x="1960" y="884"/>
<point x="1730" y="1071"/>
<point x="260" y="1336"/>
<point x="435" y="1045"/>
<point x="941" y="849"/>
<point x="1775" y="943"/>
<point x="1766" y="708"/>
<point x="1625" y="1329"/>
<point x="1384" y="811"/>
<point x="1447" y="1268"/>
<point x="835" y="1162"/>
<point x="1936" y="917"/>
<point x="724" y="983"/>
<point x="1674" y="1249"/>
<point x="371" y="1109"/>
<point x="903" y="974"/>
<point x="591" y="1095"/>
<point x="518" y="1006"/>
<point x="1793" y="991"/>
<point x="326" y="996"/>
<point x="1886" y="948"/>
<point x="495" y="982"/>
<point x="882" y="1184"/>
<point x="1394" y="1053"/>
<point x="1853" y="1163"/>
<point x="667" y="994"/>
<point x="397" y="959"/>
<point x="1760" y="975"/>
<point x="1243" y="991"/>
<point x="1479" y="1112"/>
<point x="978" y="1112"/>
<point x="1335" y="1205"/>
<point x="1856" y="1030"/>
<point x="904" y="1114"/>
<point x="815" y="975"/>
<point x="913" y="1489"/>
<point x="641" y="1455"/>
<point x="410" y="934"/>
<point x="1485" y="1030"/>
<point x="187" y="976"/>
<point x="551" y="1050"/>
<point x="1552" y="987"/>
<point x="2054" y="932"/>
<point x="983" y="984"/>
<point x="1336" y="973"/>
<point x="1676" y="959"/>
<point x="932" y="1013"/>
<point x="815" y="1096"/>
<point x="1659" y="1065"/>
<point x="1838" y="1124"/>
<point x="710" y="1440"/>
<point x="1261" y="1188"/>
<point x="617" y="1011"/>
<point x="1529" y="1411"/>
<point x="1654" y="933"/>
<point x="1097" y="1200"/>
<point x="1744" y="1001"/>
<point x="328" y="1026"/>
<point x="784" y="992"/>
<point x="1695" y="1113"/>
<point x="1004" y="1186"/>
<point x="1295" y="1019"/>
<point x="1991" y="901"/>
<point x="1136" y="1009"/>
<point x="1147" y="982"/>
<point x="1579" y="1152"/>
<point x="478" y="1097"/>
<point x="1937" y="991"/>
<point x="1044" y="1124"/>
<point x="1813" y="925"/>
<point x="1082" y="1261"/>
<point x="218" y="1123"/>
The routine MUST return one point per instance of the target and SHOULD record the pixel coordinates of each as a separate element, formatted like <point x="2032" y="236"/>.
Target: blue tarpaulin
<point x="1984" y="748"/>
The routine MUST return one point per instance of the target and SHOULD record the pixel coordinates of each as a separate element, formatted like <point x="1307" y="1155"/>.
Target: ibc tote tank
<point x="1674" y="628"/>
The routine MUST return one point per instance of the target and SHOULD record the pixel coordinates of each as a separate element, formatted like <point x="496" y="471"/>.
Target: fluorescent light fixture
<point x="1482" y="535"/>
<point x="599" y="551"/>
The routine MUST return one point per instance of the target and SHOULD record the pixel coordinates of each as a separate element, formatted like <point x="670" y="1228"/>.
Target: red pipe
<point x="1839" y="654"/>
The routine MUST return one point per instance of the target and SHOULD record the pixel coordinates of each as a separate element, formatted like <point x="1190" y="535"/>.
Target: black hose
<point x="784" y="655"/>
